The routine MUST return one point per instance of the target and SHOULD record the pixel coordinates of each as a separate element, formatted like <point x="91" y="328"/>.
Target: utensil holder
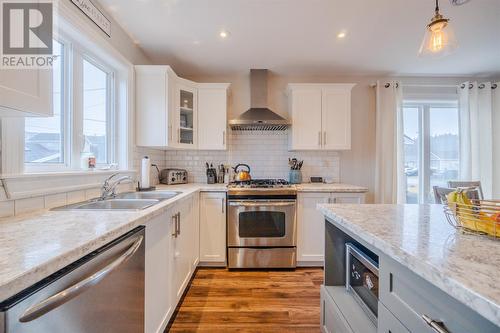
<point x="295" y="177"/>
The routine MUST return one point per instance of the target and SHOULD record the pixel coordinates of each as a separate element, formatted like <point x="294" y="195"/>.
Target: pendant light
<point x="439" y="39"/>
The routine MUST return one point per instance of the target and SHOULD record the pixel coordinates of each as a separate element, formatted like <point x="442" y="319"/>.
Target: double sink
<point x="123" y="201"/>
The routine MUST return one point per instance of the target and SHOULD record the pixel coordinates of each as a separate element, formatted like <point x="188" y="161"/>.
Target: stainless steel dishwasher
<point x="101" y="292"/>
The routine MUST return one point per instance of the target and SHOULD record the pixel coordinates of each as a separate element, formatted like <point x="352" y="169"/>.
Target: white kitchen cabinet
<point x="311" y="224"/>
<point x="186" y="114"/>
<point x="213" y="228"/>
<point x="212" y="116"/>
<point x="310" y="228"/>
<point x="26" y="93"/>
<point x="159" y="303"/>
<point x="155" y="91"/>
<point x="182" y="248"/>
<point x="321" y="116"/>
<point x="336" y="117"/>
<point x="305" y="106"/>
<point x="172" y="253"/>
<point x="172" y="112"/>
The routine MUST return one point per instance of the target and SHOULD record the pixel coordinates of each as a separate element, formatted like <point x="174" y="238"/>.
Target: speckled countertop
<point x="419" y="237"/>
<point x="35" y="245"/>
<point x="333" y="187"/>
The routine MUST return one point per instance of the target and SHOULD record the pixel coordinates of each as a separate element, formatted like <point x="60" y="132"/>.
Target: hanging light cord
<point x="437" y="6"/>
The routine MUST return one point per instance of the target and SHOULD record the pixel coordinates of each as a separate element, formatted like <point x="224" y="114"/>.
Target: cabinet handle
<point x="324" y="138"/>
<point x="223" y="137"/>
<point x="179" y="135"/>
<point x="436" y="325"/>
<point x="319" y="138"/>
<point x="170" y="132"/>
<point x="179" y="223"/>
<point x="174" y="220"/>
<point x="222" y="205"/>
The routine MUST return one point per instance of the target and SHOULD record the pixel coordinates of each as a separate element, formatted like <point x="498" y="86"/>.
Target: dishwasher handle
<point x="54" y="301"/>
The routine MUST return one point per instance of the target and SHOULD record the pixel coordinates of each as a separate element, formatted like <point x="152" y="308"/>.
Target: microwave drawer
<point x="409" y="297"/>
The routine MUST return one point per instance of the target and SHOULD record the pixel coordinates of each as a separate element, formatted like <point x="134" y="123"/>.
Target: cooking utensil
<point x="242" y="175"/>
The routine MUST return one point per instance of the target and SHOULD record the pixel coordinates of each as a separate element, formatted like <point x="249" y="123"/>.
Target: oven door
<point x="265" y="223"/>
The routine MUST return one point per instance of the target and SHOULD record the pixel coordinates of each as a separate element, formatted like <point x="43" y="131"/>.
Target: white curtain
<point x="479" y="135"/>
<point x="389" y="162"/>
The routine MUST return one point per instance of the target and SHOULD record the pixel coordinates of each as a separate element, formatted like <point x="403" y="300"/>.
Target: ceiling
<point x="299" y="37"/>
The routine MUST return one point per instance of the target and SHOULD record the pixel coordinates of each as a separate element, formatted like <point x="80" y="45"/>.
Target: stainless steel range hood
<point x="259" y="116"/>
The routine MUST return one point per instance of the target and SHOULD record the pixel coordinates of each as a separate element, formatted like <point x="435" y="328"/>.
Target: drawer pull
<point x="436" y="325"/>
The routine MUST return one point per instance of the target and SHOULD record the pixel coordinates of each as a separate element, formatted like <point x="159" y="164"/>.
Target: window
<point x="83" y="120"/>
<point x="44" y="136"/>
<point x="431" y="147"/>
<point x="96" y="111"/>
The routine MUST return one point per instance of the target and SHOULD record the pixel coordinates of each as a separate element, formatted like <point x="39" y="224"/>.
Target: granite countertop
<point x="333" y="187"/>
<point x="419" y="237"/>
<point x="38" y="244"/>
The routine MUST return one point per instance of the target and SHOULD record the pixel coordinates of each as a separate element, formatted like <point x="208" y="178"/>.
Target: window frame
<point x="66" y="128"/>
<point x="424" y="138"/>
<point x="110" y="106"/>
<point x="72" y="109"/>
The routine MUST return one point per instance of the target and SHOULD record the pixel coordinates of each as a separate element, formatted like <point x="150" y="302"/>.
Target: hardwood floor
<point x="219" y="300"/>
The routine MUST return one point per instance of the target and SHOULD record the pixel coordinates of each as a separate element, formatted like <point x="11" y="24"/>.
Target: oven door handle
<point x="261" y="203"/>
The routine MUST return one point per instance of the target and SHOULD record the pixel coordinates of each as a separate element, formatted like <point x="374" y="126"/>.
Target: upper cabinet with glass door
<point x="172" y="112"/>
<point x="186" y="114"/>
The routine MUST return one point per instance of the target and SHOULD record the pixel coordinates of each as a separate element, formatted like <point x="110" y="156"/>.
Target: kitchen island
<point x="427" y="269"/>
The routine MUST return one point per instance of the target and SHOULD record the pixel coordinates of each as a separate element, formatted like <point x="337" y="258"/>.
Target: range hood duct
<point x="259" y="117"/>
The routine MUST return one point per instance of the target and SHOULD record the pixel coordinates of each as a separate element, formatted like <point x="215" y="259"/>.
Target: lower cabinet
<point x="171" y="259"/>
<point x="415" y="303"/>
<point x="332" y="320"/>
<point x="311" y="224"/>
<point x="183" y="243"/>
<point x="159" y="303"/>
<point x="387" y="323"/>
<point x="213" y="229"/>
<point x="310" y="228"/>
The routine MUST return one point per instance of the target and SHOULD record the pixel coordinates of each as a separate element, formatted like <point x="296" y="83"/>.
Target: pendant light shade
<point x="439" y="38"/>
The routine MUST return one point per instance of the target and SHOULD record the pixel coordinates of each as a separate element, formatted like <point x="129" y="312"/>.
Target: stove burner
<point x="261" y="183"/>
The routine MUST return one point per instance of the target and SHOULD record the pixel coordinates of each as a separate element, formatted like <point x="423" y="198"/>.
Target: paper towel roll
<point x="145" y="172"/>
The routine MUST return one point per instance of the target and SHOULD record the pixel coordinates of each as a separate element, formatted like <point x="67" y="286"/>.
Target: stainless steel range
<point x="261" y="224"/>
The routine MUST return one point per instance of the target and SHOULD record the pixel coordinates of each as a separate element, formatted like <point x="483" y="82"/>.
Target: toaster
<point x="173" y="176"/>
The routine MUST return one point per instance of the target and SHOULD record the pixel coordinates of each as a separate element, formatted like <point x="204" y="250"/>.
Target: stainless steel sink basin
<point x="159" y="195"/>
<point x="111" y="204"/>
<point x="123" y="201"/>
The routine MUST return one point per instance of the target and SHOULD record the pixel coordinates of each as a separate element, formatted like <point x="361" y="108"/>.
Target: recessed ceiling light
<point x="223" y="34"/>
<point x="341" y="34"/>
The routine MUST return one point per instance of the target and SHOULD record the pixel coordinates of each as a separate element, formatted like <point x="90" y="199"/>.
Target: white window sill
<point x="26" y="185"/>
<point x="36" y="174"/>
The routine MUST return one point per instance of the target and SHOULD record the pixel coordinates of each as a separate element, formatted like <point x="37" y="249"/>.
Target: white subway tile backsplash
<point x="75" y="196"/>
<point x="6" y="208"/>
<point x="92" y="193"/>
<point x="28" y="205"/>
<point x="266" y="153"/>
<point x="55" y="200"/>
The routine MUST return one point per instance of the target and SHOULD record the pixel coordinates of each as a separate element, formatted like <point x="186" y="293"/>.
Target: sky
<point x="442" y="121"/>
